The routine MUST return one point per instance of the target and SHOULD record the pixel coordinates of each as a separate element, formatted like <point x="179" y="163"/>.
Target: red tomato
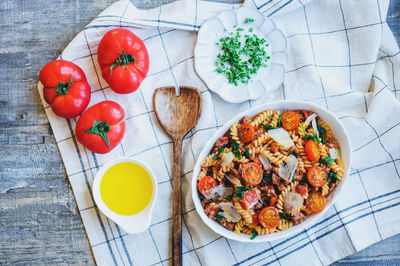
<point x="317" y="176"/>
<point x="252" y="173"/>
<point x="206" y="184"/>
<point x="312" y="150"/>
<point x="315" y="202"/>
<point x="250" y="197"/>
<point x="223" y="139"/>
<point x="123" y="60"/>
<point x="101" y="127"/>
<point x="269" y="217"/>
<point x="301" y="190"/>
<point x="65" y="88"/>
<point x="290" y="120"/>
<point x="246" y="132"/>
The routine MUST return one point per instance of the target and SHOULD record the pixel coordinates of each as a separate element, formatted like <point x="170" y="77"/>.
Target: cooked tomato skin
<point x="315" y="202"/>
<point x="205" y="185"/>
<point x="250" y="197"/>
<point x="246" y="132"/>
<point x="301" y="190"/>
<point x="252" y="173"/>
<point x="312" y="150"/>
<point x="223" y="138"/>
<point x="255" y="219"/>
<point x="74" y="100"/>
<point x="273" y="200"/>
<point x="290" y="120"/>
<point x="269" y="217"/>
<point x="317" y="176"/>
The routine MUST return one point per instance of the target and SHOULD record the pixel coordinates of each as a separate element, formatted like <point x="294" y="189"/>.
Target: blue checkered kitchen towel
<point x="342" y="56"/>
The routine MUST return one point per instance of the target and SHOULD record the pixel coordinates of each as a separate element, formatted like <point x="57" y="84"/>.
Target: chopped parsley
<point x="235" y="145"/>
<point x="309" y="136"/>
<point x="267" y="126"/>
<point x="322" y="132"/>
<point x="241" y="56"/>
<point x="280" y="118"/>
<point x="332" y="177"/>
<point x="235" y="149"/>
<point x="254" y="234"/>
<point x="327" y="160"/>
<point x="267" y="178"/>
<point x="313" y="137"/>
<point x="219" y="216"/>
<point x="285" y="216"/>
<point x="239" y="191"/>
<point x="230" y="197"/>
<point x="271" y="117"/>
<point x="247" y="153"/>
<point x="220" y="150"/>
<point x="249" y="20"/>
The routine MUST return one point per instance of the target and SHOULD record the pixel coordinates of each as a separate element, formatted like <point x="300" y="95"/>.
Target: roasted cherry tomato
<point x="65" y="88"/>
<point x="246" y="132"/>
<point x="252" y="173"/>
<point x="317" y="176"/>
<point x="273" y="200"/>
<point x="101" y="127"/>
<point x="269" y="217"/>
<point x="250" y="197"/>
<point x="315" y="202"/>
<point x="123" y="60"/>
<point x="302" y="190"/>
<point x="290" y="120"/>
<point x="312" y="150"/>
<point x="206" y="184"/>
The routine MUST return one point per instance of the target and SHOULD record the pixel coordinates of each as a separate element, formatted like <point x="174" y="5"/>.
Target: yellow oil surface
<point x="126" y="188"/>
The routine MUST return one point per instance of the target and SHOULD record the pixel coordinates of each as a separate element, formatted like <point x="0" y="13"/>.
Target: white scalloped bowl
<point x="338" y="131"/>
<point x="267" y="79"/>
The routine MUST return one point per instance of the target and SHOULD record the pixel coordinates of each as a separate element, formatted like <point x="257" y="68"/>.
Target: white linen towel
<point x="342" y="56"/>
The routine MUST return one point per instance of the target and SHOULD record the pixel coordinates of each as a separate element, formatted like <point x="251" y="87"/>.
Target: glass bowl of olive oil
<point x="125" y="191"/>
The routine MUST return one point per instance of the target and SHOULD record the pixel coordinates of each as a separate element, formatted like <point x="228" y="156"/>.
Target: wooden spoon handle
<point x="177" y="205"/>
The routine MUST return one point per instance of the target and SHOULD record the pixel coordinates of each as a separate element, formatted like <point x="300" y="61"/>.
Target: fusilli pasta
<point x="261" y="186"/>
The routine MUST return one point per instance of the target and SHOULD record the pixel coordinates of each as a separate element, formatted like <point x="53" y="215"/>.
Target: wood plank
<point x="39" y="220"/>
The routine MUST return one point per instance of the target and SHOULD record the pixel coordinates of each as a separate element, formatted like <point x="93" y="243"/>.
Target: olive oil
<point x="126" y="188"/>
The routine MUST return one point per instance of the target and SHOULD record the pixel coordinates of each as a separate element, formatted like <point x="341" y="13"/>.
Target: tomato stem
<point x="100" y="128"/>
<point x="123" y="60"/>
<point x="62" y="87"/>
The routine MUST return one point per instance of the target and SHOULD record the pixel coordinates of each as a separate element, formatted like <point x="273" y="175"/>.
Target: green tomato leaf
<point x="100" y="128"/>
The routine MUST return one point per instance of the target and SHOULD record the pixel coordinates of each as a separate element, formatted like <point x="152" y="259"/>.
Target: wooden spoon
<point x="177" y="115"/>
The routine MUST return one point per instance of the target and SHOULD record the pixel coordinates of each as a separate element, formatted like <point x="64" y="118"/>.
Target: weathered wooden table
<point x="39" y="221"/>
